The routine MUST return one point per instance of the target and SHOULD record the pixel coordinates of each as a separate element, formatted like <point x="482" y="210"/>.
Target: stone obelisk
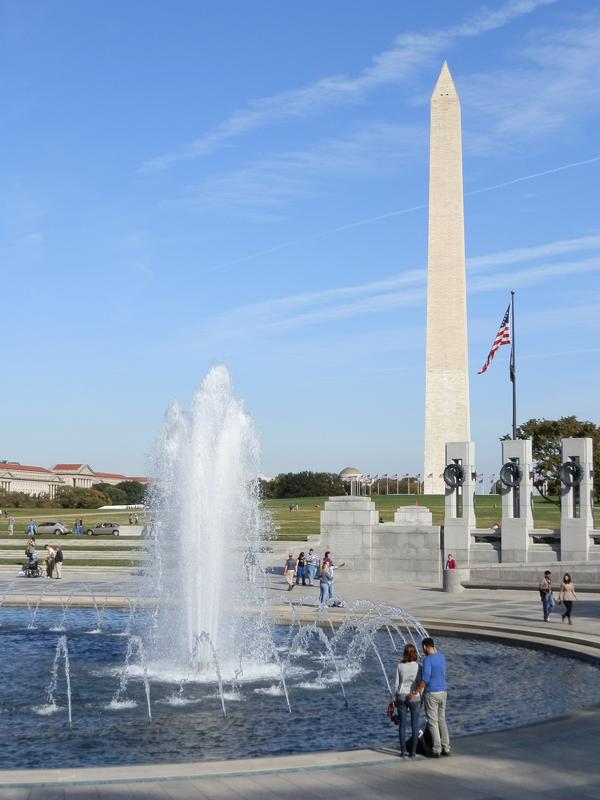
<point x="447" y="380"/>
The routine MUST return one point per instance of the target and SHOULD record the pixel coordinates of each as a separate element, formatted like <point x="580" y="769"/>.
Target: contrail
<point x="398" y="213"/>
<point x="534" y="175"/>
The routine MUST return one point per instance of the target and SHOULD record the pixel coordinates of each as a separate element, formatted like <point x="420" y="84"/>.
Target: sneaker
<point x="435" y="755"/>
<point x="446" y="753"/>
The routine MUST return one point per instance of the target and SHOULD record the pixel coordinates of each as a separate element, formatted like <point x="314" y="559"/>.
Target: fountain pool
<point x="491" y="689"/>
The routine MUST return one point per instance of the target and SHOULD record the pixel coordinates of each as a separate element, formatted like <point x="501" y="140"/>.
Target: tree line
<point x="302" y="484"/>
<point x="100" y="494"/>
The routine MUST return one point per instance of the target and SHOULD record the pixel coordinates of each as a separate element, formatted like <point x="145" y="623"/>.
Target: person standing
<point x="567" y="595"/>
<point x="545" y="590"/>
<point x="32" y="528"/>
<point x="312" y="561"/>
<point x="433" y="683"/>
<point x="58" y="562"/>
<point x="301" y="569"/>
<point x="325" y="581"/>
<point x="250" y="565"/>
<point x="327" y="587"/>
<point x="11" y="525"/>
<point x="408" y="677"/>
<point x="289" y="571"/>
<point x="450" y="562"/>
<point x="50" y="553"/>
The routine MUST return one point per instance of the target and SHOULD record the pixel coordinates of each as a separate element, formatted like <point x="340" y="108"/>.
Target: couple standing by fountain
<point x="427" y="684"/>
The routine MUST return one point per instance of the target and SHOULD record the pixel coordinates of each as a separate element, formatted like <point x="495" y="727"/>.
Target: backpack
<point x="424" y="745"/>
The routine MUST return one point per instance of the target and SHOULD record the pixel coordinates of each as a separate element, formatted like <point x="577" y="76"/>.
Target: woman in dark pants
<point x="301" y="569"/>
<point x="408" y="677"/>
<point x="567" y="595"/>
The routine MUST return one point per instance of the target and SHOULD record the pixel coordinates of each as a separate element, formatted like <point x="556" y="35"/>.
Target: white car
<point x="53" y="526"/>
<point x="104" y="529"/>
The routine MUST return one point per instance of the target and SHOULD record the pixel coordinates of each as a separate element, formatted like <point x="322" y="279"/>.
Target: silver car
<point x="104" y="529"/>
<point x="53" y="526"/>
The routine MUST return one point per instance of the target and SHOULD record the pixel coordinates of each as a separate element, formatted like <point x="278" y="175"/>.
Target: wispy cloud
<point x="407" y="289"/>
<point x="400" y="212"/>
<point x="407" y="54"/>
<point x="270" y="182"/>
<point x="554" y="82"/>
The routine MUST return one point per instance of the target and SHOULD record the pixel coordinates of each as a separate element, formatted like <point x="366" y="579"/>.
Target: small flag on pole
<point x="502" y="337"/>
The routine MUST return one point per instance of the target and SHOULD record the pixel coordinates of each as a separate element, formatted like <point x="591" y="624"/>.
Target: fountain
<point x="207" y="518"/>
<point x="218" y="679"/>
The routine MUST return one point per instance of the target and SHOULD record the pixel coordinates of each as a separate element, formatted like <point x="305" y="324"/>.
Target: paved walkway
<point x="557" y="758"/>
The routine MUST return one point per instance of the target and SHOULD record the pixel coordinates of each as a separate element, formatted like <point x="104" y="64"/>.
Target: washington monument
<point x="447" y="377"/>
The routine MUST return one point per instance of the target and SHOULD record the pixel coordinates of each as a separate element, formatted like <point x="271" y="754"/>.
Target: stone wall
<point x="407" y="549"/>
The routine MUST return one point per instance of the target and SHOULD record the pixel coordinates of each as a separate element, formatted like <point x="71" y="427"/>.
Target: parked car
<point x="104" y="529"/>
<point x="53" y="526"/>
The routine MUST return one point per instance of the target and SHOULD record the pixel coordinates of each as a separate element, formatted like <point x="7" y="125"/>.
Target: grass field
<point x="68" y="515"/>
<point x="80" y="562"/>
<point x="295" y="525"/>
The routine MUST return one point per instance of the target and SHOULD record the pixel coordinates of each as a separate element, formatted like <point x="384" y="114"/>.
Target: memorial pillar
<point x="576" y="499"/>
<point x="460" y="478"/>
<point x="517" y="499"/>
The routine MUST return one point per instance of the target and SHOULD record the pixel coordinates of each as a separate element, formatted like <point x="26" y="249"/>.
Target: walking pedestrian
<point x="11" y="525"/>
<point x="58" y="562"/>
<point x="301" y="569"/>
<point x="408" y="677"/>
<point x="567" y="595"/>
<point x="545" y="590"/>
<point x="433" y="682"/>
<point x="450" y="562"/>
<point x="32" y="528"/>
<point x="312" y="563"/>
<point x="289" y="571"/>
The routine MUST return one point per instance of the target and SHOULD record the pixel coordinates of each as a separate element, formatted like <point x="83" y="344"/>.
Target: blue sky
<point x="189" y="183"/>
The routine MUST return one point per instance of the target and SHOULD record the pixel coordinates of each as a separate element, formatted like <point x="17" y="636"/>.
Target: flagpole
<point x="513" y="376"/>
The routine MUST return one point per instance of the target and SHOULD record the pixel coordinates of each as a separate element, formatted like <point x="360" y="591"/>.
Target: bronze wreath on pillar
<point x="454" y="476"/>
<point x="571" y="474"/>
<point x="511" y="474"/>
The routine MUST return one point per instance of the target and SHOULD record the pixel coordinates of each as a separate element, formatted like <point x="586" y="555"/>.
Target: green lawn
<point x="80" y="562"/>
<point x="68" y="515"/>
<point x="305" y="521"/>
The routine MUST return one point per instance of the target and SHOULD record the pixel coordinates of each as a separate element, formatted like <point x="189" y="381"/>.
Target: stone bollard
<point x="453" y="580"/>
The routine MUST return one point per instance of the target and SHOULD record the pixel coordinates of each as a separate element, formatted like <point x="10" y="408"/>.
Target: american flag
<point x="502" y="337"/>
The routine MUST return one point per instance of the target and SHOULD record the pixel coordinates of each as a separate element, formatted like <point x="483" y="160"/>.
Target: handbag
<point x="391" y="712"/>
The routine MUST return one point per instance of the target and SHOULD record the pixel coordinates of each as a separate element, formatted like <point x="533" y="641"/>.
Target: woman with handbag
<point x="566" y="596"/>
<point x="408" y="677"/>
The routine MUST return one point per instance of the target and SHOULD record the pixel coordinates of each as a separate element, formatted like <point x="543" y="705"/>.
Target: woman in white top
<point x="567" y="595"/>
<point x="408" y="677"/>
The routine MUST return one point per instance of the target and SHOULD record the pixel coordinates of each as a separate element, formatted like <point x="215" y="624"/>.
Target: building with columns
<point x="33" y="480"/>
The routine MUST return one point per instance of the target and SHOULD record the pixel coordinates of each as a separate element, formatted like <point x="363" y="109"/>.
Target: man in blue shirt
<point x="436" y="691"/>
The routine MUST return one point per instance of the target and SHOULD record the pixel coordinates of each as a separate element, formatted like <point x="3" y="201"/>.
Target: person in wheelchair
<point x="32" y="562"/>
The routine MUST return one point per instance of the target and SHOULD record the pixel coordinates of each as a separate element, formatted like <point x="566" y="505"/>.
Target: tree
<point x="117" y="496"/>
<point x="546" y="435"/>
<point x="303" y="484"/>
<point x="135" y="492"/>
